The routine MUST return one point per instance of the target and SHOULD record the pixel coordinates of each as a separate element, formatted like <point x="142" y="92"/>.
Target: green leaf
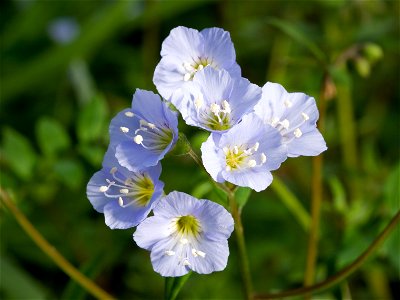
<point x="173" y="285"/>
<point x="242" y="195"/>
<point x="18" y="153"/>
<point x="92" y="120"/>
<point x="292" y="31"/>
<point x="70" y="173"/>
<point x="16" y="283"/>
<point x="51" y="136"/>
<point x="92" y="153"/>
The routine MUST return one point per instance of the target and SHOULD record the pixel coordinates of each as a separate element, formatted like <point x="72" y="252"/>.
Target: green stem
<point x="344" y="273"/>
<point x="244" y="264"/>
<point x="51" y="252"/>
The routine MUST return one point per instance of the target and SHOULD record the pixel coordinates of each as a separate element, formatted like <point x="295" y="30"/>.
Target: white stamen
<point x="305" y="116"/>
<point x="200" y="67"/>
<point x="151" y="125"/>
<point x="124" y="129"/>
<point x="194" y="252"/>
<point x="297" y="132"/>
<point x="113" y="170"/>
<point x="215" y="108"/>
<point x="138" y="139"/>
<point x="124" y="191"/>
<point x="129" y="114"/>
<point x="201" y="253"/>
<point x="169" y="253"/>
<point x="228" y="168"/>
<point x="255" y="147"/>
<point x="226" y="150"/>
<point x="288" y="103"/>
<point x="235" y="150"/>
<point x="274" y="121"/>
<point x="186" y="77"/>
<point x="285" y="123"/>
<point x="120" y="202"/>
<point x="226" y="106"/>
<point x="186" y="262"/>
<point x="184" y="241"/>
<point x="188" y="66"/>
<point x="198" y="102"/>
<point x="252" y="163"/>
<point x="263" y="158"/>
<point x="103" y="188"/>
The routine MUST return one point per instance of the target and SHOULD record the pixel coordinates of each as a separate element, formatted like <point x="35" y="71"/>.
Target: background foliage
<point x="57" y="99"/>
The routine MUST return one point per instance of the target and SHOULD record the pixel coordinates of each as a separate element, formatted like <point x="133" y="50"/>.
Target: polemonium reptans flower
<point x="245" y="154"/>
<point x="186" y="51"/>
<point x="186" y="234"/>
<point x="143" y="134"/>
<point x="215" y="101"/>
<point x="295" y="116"/>
<point x="125" y="197"/>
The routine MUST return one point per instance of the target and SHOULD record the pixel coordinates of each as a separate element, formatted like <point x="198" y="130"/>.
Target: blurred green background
<point x="67" y="67"/>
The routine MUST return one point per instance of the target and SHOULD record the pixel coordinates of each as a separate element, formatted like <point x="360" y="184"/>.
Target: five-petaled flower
<point x="186" y="234"/>
<point x="215" y="101"/>
<point x="125" y="197"/>
<point x="244" y="155"/>
<point x="295" y="116"/>
<point x="143" y="134"/>
<point x="186" y="51"/>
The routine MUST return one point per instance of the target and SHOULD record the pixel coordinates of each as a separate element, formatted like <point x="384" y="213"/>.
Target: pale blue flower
<point x="125" y="197"/>
<point x="295" y="115"/>
<point x="186" y="234"/>
<point x="215" y="101"/>
<point x="245" y="154"/>
<point x="143" y="134"/>
<point x="186" y="51"/>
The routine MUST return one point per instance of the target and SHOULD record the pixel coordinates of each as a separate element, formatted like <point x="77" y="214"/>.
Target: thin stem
<point x="244" y="264"/>
<point x="50" y="251"/>
<point x="317" y="192"/>
<point x="344" y="273"/>
<point x="195" y="157"/>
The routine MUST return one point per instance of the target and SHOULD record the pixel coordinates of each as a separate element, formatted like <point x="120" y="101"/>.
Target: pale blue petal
<point x="151" y="230"/>
<point x="134" y="157"/>
<point x="309" y="144"/>
<point x="257" y="178"/>
<point x="218" y="45"/>
<point x="216" y="257"/>
<point x="212" y="159"/>
<point x="97" y="198"/>
<point x="183" y="43"/>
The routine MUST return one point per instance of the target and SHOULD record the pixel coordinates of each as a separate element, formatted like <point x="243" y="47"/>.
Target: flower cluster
<point x="252" y="131"/>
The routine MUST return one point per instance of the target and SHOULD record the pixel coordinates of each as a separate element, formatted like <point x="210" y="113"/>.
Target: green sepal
<point x="173" y="285"/>
<point x="182" y="146"/>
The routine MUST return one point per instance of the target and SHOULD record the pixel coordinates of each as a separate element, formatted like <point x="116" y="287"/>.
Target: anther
<point x="200" y="67"/>
<point x="186" y="262"/>
<point x="169" y="253"/>
<point x="103" y="188"/>
<point x="113" y="170"/>
<point x="263" y="158"/>
<point x="124" y="191"/>
<point x="151" y="125"/>
<point x="186" y="77"/>
<point x="184" y="241"/>
<point x="194" y="252"/>
<point x="198" y="102"/>
<point x="120" y="202"/>
<point x="235" y="150"/>
<point x="255" y="147"/>
<point x="297" y="132"/>
<point x="252" y="163"/>
<point x="226" y="106"/>
<point x="138" y="139"/>
<point x="201" y="253"/>
<point x="129" y="114"/>
<point x="124" y="129"/>
<point x="305" y="116"/>
<point x="288" y="103"/>
<point x="285" y="123"/>
<point x="215" y="108"/>
<point x="274" y="121"/>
